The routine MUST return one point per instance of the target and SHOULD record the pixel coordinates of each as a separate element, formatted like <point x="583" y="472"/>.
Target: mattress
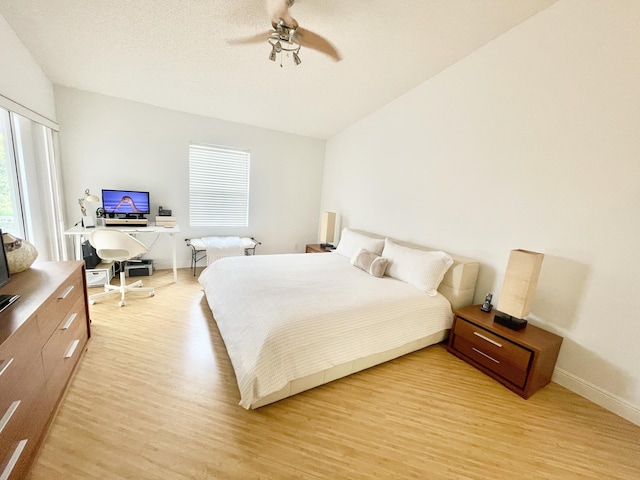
<point x="288" y="319"/>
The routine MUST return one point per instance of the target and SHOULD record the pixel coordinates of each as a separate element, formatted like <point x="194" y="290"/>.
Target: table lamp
<point x="519" y="288"/>
<point x="327" y="229"/>
<point x="87" y="221"/>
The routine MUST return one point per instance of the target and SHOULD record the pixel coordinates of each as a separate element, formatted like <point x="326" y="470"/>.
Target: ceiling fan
<point x="287" y="36"/>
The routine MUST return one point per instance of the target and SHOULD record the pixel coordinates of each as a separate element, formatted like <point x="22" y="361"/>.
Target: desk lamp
<point x="87" y="221"/>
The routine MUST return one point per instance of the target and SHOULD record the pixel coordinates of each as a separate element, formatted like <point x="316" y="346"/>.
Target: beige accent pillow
<point x="370" y="262"/>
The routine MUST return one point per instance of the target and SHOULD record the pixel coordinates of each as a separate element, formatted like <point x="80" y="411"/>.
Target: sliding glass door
<point x="30" y="201"/>
<point x="11" y="220"/>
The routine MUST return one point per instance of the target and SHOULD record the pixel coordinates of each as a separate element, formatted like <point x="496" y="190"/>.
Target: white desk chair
<point x="117" y="246"/>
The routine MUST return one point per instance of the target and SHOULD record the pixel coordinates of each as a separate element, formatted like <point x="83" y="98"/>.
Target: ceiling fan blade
<point x="259" y="38"/>
<point x="314" y="41"/>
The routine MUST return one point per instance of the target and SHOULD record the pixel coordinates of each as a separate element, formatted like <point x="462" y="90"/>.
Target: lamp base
<point x="508" y="321"/>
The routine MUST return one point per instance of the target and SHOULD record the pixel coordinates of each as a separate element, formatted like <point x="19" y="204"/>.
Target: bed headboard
<point x="458" y="284"/>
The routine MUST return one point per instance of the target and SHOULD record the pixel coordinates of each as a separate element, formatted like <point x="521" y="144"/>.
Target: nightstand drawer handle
<point x="488" y="339"/>
<point x="72" y="349"/>
<point x="13" y="460"/>
<point x="69" y="321"/>
<point x="7" y="416"/>
<point x="485" y="355"/>
<point x="65" y="293"/>
<point x="4" y="364"/>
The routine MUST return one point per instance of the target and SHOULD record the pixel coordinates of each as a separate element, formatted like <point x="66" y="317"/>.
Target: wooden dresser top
<point x="35" y="285"/>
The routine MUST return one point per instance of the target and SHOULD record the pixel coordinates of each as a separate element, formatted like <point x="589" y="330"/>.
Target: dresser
<point x="42" y="337"/>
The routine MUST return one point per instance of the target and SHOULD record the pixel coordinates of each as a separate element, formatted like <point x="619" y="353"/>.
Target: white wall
<point x="531" y="142"/>
<point x="112" y="143"/>
<point x="22" y="80"/>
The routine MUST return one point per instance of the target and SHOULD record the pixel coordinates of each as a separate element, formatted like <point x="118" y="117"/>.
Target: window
<point x="10" y="203"/>
<point x="30" y="206"/>
<point x="218" y="186"/>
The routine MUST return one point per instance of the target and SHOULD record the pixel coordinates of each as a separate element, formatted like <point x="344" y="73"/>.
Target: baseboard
<point x="597" y="395"/>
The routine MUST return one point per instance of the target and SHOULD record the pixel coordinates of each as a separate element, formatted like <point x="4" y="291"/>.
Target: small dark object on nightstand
<point x="486" y="306"/>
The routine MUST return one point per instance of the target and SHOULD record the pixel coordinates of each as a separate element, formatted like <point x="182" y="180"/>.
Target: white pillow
<point x="422" y="269"/>
<point x="352" y="242"/>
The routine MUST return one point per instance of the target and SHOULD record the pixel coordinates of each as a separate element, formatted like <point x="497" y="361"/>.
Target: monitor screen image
<point x="125" y="202"/>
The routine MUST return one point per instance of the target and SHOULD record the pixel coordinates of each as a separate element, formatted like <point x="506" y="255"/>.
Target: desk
<point x="79" y="231"/>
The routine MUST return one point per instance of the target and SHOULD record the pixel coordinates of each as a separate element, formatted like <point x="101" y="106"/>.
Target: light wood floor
<point x="155" y="398"/>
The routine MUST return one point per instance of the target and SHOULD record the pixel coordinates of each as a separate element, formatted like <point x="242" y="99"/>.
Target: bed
<point x="296" y="321"/>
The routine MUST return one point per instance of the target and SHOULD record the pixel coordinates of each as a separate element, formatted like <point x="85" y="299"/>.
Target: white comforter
<point x="284" y="317"/>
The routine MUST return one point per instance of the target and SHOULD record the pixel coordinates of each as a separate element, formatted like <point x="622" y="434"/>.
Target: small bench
<point x="199" y="251"/>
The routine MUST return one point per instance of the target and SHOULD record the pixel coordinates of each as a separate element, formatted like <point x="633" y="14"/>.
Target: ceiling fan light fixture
<point x="283" y="41"/>
<point x="286" y="37"/>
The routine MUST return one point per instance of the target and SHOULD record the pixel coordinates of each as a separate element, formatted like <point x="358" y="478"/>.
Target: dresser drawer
<point x="55" y="308"/>
<point x="59" y="347"/>
<point x="493" y="345"/>
<point x="16" y="354"/>
<point x="22" y="423"/>
<point x="63" y="350"/>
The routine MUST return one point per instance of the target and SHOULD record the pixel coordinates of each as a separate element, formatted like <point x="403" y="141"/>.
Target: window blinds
<point x="218" y="186"/>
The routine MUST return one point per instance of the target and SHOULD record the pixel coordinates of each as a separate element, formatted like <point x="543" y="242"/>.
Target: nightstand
<point x="523" y="360"/>
<point x="315" y="248"/>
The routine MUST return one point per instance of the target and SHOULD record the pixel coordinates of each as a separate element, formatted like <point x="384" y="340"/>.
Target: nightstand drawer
<point x="495" y="363"/>
<point x="493" y="345"/>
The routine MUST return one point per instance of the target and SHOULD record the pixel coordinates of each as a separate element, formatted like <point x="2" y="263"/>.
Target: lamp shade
<point x="520" y="282"/>
<point x="327" y="227"/>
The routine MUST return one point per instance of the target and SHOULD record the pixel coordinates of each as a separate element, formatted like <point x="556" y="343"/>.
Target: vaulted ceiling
<point x="176" y="53"/>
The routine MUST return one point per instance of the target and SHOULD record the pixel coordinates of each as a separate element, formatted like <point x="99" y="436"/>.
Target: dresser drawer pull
<point x="72" y="349"/>
<point x="13" y="460"/>
<point x="485" y="355"/>
<point x="4" y="364"/>
<point x="488" y="339"/>
<point x="69" y="321"/>
<point x="66" y="293"/>
<point x="7" y="416"/>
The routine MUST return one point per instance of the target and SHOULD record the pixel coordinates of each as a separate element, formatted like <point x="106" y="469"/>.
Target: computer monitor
<point x="127" y="202"/>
